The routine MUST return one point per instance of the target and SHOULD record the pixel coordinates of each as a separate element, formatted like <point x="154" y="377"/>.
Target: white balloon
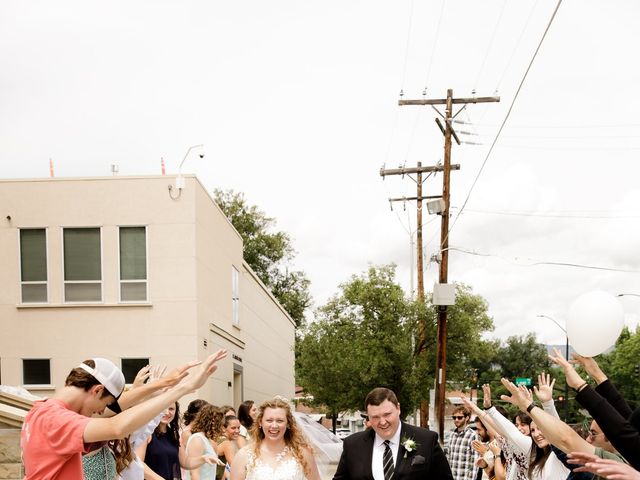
<point x="594" y="323"/>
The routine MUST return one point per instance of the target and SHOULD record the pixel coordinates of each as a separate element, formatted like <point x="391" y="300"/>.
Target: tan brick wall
<point x="10" y="464"/>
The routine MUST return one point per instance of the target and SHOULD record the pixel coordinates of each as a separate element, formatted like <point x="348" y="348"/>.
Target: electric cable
<point x="515" y="97"/>
<point x="435" y="44"/>
<point x="493" y="36"/>
<point x="534" y="263"/>
<point x="515" y="48"/>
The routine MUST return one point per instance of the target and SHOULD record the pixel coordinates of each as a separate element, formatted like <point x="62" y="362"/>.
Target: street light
<point x="566" y="353"/>
<point x="628" y="295"/>
<point x="180" y="178"/>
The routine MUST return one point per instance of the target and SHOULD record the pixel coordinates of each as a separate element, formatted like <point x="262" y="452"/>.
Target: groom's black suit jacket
<point x="426" y="462"/>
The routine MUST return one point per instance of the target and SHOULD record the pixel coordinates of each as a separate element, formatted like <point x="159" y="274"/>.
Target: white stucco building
<point x="127" y="269"/>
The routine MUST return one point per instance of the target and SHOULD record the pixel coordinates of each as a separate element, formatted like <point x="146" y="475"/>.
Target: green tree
<point x="361" y="339"/>
<point x="367" y="336"/>
<point x="519" y="356"/>
<point x="268" y="253"/>
<point x="522" y="356"/>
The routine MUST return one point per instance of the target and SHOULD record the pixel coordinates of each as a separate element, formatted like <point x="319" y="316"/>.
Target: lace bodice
<point x="288" y="468"/>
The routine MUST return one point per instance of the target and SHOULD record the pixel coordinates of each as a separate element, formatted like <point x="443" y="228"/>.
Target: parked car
<point x="343" y="432"/>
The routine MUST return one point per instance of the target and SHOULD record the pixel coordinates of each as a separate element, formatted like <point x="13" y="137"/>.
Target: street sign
<point x="523" y="381"/>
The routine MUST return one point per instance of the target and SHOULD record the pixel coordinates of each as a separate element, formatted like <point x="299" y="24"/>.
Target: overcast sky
<point x="297" y="105"/>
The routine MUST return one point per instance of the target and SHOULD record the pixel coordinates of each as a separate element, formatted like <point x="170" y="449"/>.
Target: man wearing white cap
<point x="58" y="430"/>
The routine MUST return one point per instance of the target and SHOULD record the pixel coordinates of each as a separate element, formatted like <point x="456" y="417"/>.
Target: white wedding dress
<point x="287" y="468"/>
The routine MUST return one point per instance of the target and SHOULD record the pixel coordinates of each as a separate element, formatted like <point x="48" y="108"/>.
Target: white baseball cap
<point x="109" y="376"/>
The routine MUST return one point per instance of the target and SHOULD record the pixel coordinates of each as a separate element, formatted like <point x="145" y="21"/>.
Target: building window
<point x="33" y="265"/>
<point x="235" y="296"/>
<point x="36" y="371"/>
<point x="131" y="367"/>
<point x="82" y="265"/>
<point x="133" y="264"/>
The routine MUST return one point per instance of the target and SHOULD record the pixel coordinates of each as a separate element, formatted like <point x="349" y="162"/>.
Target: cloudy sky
<point x="297" y="105"/>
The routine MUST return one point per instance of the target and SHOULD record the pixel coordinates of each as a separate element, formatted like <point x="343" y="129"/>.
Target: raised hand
<point x="486" y="395"/>
<point x="573" y="379"/>
<point x="156" y="372"/>
<point x="495" y="448"/>
<point x="610" y="469"/>
<point x="468" y="403"/>
<point x="590" y="365"/>
<point x="199" y="377"/>
<point x="520" y="396"/>
<point x="174" y="376"/>
<point x="142" y="376"/>
<point x="544" y="389"/>
<point x="479" y="447"/>
<point x="580" y="458"/>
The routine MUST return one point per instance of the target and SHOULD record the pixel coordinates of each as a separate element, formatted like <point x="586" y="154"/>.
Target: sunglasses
<point x="457" y="417"/>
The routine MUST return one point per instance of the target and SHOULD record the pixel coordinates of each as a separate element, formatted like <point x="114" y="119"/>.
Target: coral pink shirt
<point x="52" y="442"/>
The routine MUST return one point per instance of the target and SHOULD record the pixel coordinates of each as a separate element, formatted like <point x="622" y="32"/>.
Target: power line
<point x="406" y="50"/>
<point x="515" y="97"/>
<point x="572" y="137"/>
<point x="576" y="215"/>
<point x="569" y="147"/>
<point x="557" y="126"/>
<point x="435" y="44"/>
<point x="535" y="263"/>
<point x="515" y="48"/>
<point x="493" y="36"/>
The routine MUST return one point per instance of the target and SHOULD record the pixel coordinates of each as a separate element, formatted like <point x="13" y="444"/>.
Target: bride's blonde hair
<point x="293" y="436"/>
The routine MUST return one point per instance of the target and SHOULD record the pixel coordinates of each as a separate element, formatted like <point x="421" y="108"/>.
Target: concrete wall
<point x="10" y="461"/>
<point x="270" y="338"/>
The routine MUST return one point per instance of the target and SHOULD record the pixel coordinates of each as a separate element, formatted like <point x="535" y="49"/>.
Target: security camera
<point x="202" y="155"/>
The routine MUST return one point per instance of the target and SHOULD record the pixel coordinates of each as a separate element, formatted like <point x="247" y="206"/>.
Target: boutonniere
<point x="409" y="445"/>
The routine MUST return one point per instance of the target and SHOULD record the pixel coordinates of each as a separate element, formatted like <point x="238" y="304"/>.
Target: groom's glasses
<point x="457" y="417"/>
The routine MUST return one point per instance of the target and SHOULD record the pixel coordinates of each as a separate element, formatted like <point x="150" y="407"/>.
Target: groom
<point x="391" y="449"/>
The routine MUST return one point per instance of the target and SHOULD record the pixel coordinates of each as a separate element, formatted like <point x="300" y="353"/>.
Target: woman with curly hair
<point x="189" y="416"/>
<point x="279" y="452"/>
<point x="205" y="428"/>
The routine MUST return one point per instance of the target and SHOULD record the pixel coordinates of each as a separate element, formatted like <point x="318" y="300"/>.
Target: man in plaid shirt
<point x="462" y="457"/>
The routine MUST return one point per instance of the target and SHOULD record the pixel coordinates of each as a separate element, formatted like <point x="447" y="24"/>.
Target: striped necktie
<point x="387" y="461"/>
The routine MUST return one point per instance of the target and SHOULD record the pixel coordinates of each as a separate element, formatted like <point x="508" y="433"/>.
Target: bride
<point x="279" y="450"/>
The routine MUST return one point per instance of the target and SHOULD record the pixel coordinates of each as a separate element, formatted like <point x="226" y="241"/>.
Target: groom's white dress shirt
<point x="378" y="452"/>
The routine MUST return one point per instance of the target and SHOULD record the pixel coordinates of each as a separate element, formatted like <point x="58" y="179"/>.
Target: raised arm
<point x="622" y="435"/>
<point x="591" y="367"/>
<point x="486" y="419"/>
<point x="604" y="386"/>
<point x="510" y="432"/>
<point x="121" y="425"/>
<point x="602" y="467"/>
<point x="544" y="392"/>
<point x="156" y="384"/>
<point x="555" y="430"/>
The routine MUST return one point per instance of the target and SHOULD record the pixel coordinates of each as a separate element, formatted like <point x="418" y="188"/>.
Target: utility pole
<point x="418" y="171"/>
<point x="448" y="132"/>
